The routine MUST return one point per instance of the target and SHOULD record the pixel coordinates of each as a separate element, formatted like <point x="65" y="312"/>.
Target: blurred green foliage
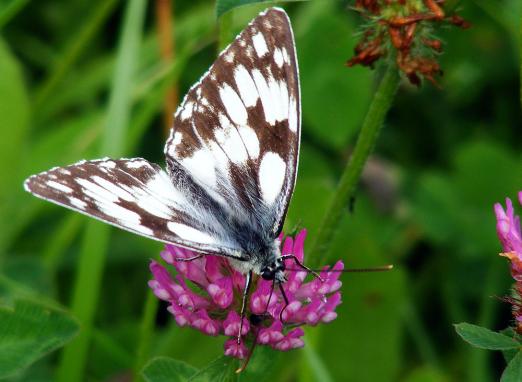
<point x="425" y="202"/>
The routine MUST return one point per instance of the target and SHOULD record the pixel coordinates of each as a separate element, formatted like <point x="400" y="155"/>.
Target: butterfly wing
<point x="237" y="131"/>
<point x="140" y="197"/>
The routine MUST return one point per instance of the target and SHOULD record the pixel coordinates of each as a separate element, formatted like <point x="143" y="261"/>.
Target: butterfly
<point x="231" y="161"/>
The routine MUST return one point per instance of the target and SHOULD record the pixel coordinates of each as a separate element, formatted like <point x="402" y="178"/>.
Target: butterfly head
<point x="274" y="271"/>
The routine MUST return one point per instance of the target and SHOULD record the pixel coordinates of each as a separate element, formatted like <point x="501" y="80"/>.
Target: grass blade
<point x="95" y="242"/>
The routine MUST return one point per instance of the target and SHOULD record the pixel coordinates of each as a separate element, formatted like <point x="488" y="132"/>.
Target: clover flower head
<point x="403" y="28"/>
<point x="510" y="236"/>
<point x="206" y="294"/>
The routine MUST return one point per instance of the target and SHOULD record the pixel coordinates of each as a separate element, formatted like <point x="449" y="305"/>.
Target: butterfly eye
<point x="268" y="274"/>
<point x="280" y="265"/>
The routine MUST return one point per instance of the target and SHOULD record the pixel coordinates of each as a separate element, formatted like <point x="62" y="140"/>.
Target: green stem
<point x="371" y="127"/>
<point x="146" y="332"/>
<point x="520" y="52"/>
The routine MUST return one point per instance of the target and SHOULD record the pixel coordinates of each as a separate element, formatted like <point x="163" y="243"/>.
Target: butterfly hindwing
<point x="137" y="196"/>
<point x="237" y="131"/>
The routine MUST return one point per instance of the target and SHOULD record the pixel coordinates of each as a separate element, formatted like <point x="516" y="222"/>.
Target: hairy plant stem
<point x="371" y="127"/>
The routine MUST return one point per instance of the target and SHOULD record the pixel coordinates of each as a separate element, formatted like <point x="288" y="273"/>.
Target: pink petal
<point x="233" y="349"/>
<point x="231" y="324"/>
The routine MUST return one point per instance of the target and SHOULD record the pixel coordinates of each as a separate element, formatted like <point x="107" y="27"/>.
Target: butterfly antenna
<point x="382" y="268"/>
<point x="301" y="265"/>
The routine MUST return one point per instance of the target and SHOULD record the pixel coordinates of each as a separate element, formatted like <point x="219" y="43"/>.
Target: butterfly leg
<point x="283" y="293"/>
<point x="248" y="282"/>
<point x="191" y="258"/>
<point x="296" y="260"/>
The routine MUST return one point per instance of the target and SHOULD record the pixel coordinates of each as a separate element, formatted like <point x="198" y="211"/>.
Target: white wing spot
<point x="187" y="111"/>
<point x="80" y="204"/>
<point x="162" y="186"/>
<point x="249" y="52"/>
<point x="265" y="95"/>
<point x="200" y="166"/>
<point x="260" y="44"/>
<point x="292" y="115"/>
<point x="233" y="105"/>
<point x="229" y="57"/>
<point x="251" y="141"/>
<point x="246" y="86"/>
<point x="59" y="186"/>
<point x="113" y="188"/>
<point x="279" y="99"/>
<point x="285" y="55"/>
<point x="272" y="172"/>
<point x="229" y="139"/>
<point x="95" y="191"/>
<point x="105" y="201"/>
<point x="108" y="164"/>
<point x="190" y="234"/>
<point x="278" y="57"/>
<point x="178" y="137"/>
<point x="137" y="164"/>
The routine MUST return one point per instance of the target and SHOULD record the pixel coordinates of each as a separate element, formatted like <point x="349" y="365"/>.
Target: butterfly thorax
<point x="264" y="259"/>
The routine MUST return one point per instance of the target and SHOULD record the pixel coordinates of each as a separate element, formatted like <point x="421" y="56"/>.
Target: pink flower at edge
<point x="510" y="236"/>
<point x="206" y="295"/>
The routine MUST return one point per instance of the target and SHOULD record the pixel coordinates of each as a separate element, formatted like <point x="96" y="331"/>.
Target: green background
<point x="84" y="79"/>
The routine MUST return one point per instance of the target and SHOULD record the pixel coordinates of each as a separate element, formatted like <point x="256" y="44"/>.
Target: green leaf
<point x="29" y="331"/>
<point x="484" y="338"/>
<point x="14" y="122"/>
<point x="223" y="6"/>
<point x="164" y="369"/>
<point x="221" y="370"/>
<point x="513" y="372"/>
<point x="509" y="354"/>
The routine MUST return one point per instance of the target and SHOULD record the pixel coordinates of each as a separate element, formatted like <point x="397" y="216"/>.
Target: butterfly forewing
<point x="231" y="156"/>
<point x="237" y="130"/>
<point x="138" y="196"/>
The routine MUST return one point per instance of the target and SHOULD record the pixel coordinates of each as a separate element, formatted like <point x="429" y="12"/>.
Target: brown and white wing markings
<point x="137" y="196"/>
<point x="237" y="131"/>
